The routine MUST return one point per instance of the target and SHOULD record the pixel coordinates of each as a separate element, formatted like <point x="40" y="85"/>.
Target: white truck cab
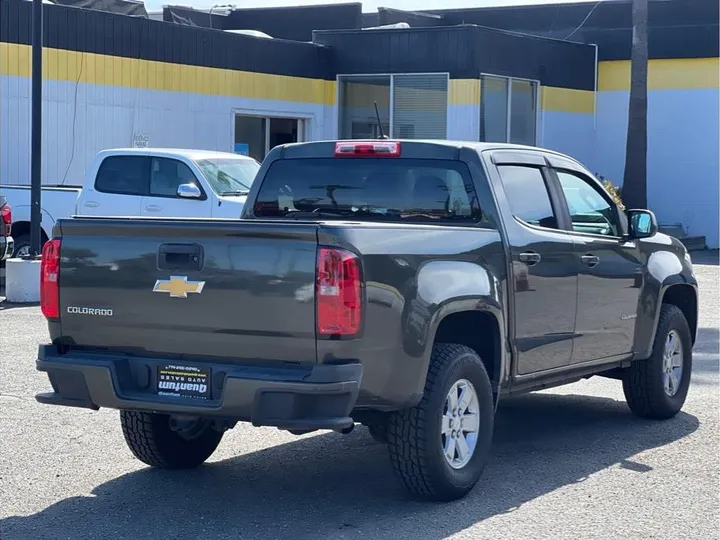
<point x="166" y="183"/>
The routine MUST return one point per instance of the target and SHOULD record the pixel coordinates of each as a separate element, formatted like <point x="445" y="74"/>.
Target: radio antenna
<point x="379" y="123"/>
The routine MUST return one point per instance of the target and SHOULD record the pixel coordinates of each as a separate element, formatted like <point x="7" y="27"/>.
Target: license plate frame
<point x="185" y="381"/>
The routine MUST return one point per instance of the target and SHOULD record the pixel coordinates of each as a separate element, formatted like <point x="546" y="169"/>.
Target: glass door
<point x="255" y="136"/>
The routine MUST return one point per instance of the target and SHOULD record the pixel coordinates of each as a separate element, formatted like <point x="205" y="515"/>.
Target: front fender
<point x="665" y="268"/>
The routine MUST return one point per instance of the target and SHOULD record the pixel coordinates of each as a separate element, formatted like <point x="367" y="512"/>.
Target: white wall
<point x="109" y="116"/>
<point x="683" y="152"/>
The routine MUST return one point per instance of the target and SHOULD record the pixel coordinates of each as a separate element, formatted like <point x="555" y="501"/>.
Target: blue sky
<point x="368" y="5"/>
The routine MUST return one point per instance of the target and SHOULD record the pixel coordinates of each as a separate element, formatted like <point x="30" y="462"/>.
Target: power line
<point x="584" y="20"/>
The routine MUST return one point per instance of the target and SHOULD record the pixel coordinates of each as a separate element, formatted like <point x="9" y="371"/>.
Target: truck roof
<point x="173" y="152"/>
<point x="478" y="146"/>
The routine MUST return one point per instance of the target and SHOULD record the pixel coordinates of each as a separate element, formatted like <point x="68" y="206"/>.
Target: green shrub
<point x="613" y="190"/>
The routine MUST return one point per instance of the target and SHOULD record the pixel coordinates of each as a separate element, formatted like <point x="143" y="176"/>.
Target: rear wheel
<point x="657" y="387"/>
<point x="439" y="447"/>
<point x="160" y="441"/>
<point x="22" y="246"/>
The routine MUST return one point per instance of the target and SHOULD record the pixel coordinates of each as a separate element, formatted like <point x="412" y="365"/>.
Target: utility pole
<point x="634" y="190"/>
<point x="36" y="129"/>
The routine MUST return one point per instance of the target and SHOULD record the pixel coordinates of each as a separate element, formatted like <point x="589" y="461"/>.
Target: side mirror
<point x="188" y="191"/>
<point x="642" y="224"/>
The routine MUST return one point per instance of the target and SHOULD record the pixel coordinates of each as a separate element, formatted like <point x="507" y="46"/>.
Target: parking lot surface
<point x="570" y="462"/>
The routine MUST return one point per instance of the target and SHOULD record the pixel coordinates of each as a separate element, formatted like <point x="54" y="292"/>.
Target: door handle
<point x="153" y="208"/>
<point x="180" y="257"/>
<point x="91" y="204"/>
<point x="530" y="258"/>
<point x="590" y="260"/>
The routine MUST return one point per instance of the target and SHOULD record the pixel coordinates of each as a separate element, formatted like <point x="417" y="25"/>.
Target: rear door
<point x="544" y="265"/>
<point x="611" y="271"/>
<point x="120" y="184"/>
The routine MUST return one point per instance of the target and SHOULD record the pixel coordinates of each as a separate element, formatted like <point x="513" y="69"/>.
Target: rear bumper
<point x="7" y="245"/>
<point x="313" y="397"/>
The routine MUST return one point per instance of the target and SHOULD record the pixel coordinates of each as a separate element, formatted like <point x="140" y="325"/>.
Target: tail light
<point x="6" y="218"/>
<point x="338" y="293"/>
<point x="49" y="273"/>
<point x="367" y="149"/>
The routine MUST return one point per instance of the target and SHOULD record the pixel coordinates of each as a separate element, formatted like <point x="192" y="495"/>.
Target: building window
<point x="410" y="106"/>
<point x="508" y="110"/>
<point x="255" y="136"/>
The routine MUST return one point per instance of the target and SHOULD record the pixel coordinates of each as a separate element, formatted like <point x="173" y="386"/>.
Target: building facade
<point x="492" y="74"/>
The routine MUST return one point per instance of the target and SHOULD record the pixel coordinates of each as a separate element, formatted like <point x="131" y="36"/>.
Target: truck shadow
<point x="330" y="486"/>
<point x="706" y="356"/>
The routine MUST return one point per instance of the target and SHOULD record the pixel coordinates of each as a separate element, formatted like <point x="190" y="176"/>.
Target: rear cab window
<point x="371" y="189"/>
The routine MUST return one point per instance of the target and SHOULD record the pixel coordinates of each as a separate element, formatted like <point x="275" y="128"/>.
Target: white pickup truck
<point x="140" y="182"/>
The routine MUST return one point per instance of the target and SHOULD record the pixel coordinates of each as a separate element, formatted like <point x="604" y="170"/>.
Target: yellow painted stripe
<point x="568" y="100"/>
<point x="464" y="92"/>
<point x="688" y="73"/>
<point x="100" y="69"/>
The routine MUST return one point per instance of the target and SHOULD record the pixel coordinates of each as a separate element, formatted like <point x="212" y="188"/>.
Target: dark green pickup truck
<point x="404" y="285"/>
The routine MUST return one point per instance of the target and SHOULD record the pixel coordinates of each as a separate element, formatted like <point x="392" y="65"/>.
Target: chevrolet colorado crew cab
<point x="404" y="285"/>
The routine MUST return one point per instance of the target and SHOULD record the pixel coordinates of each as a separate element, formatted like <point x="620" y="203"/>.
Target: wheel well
<point x="20" y="228"/>
<point x="478" y="330"/>
<point x="684" y="297"/>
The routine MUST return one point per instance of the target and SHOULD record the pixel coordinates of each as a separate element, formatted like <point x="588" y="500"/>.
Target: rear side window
<point x="127" y="175"/>
<point x="377" y="189"/>
<point x="527" y="195"/>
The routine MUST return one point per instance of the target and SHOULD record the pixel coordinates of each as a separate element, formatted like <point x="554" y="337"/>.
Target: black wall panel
<point x="193" y="17"/>
<point x="413" y="18"/>
<point x="119" y="35"/>
<point x="464" y="52"/>
<point x="297" y="23"/>
<point x="676" y="28"/>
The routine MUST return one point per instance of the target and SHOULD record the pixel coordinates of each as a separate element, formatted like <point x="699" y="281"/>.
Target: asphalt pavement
<point x="570" y="462"/>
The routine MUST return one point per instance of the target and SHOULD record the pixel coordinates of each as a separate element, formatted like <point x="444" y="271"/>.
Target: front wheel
<point x="159" y="442"/>
<point x="657" y="387"/>
<point x="439" y="447"/>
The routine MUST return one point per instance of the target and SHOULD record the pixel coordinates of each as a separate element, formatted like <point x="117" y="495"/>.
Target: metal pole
<point x="36" y="130"/>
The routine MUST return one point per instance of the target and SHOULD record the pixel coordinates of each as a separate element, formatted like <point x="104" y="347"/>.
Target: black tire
<point x="20" y="241"/>
<point x="378" y="431"/>
<point x="643" y="381"/>
<point x="414" y="434"/>
<point x="151" y="440"/>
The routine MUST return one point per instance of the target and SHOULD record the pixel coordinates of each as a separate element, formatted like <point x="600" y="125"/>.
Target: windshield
<point x="377" y="189"/>
<point x="229" y="176"/>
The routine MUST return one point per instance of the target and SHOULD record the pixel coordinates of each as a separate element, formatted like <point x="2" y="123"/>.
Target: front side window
<point x="589" y="210"/>
<point x="123" y="175"/>
<point x="229" y="176"/>
<point x="527" y="195"/>
<point x="166" y="175"/>
<point x="371" y="189"/>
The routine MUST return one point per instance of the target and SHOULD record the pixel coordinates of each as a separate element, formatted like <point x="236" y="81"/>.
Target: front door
<point x="544" y="270"/>
<point x="610" y="276"/>
<point x="166" y="175"/>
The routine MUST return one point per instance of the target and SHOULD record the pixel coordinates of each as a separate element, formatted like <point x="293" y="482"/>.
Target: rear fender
<point x="444" y="288"/>
<point x="21" y="221"/>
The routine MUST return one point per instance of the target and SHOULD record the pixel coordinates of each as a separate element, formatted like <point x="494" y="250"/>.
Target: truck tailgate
<point x="190" y="289"/>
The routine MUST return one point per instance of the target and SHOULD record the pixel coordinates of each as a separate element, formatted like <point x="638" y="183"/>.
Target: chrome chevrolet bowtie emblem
<point x="178" y="286"/>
